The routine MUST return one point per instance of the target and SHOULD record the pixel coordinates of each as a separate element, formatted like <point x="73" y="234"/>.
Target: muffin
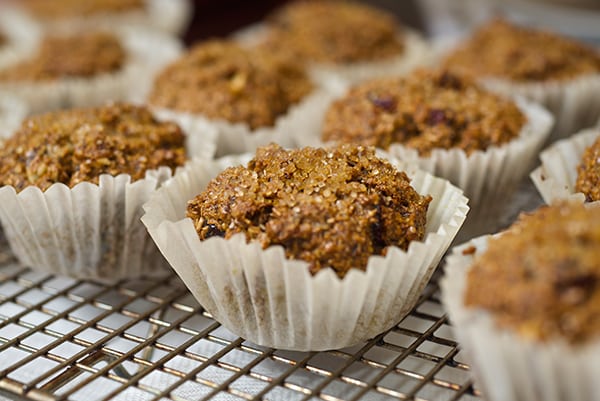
<point x="525" y="304"/>
<point x="87" y="68"/>
<point x="247" y="97"/>
<point x="362" y="42"/>
<point x="57" y="15"/>
<point x="559" y="73"/>
<point x="569" y="168"/>
<point x="73" y="183"/>
<point x="446" y="124"/>
<point x="266" y="248"/>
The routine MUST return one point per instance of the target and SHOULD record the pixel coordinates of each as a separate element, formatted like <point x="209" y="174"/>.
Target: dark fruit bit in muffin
<point x="79" y="145"/>
<point x="588" y="173"/>
<point x="56" y="9"/>
<point x="541" y="277"/>
<point x="83" y="55"/>
<point x="333" y="31"/>
<point x="221" y="80"/>
<point x="427" y="110"/>
<point x="330" y="207"/>
<point x="500" y="49"/>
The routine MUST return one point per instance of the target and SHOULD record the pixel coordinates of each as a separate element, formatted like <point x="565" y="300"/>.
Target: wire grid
<point x="64" y="339"/>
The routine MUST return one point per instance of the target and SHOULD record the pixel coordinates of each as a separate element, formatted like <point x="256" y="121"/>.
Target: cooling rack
<point x="64" y="339"/>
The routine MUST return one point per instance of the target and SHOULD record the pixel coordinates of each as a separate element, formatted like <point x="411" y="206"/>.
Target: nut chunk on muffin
<point x="333" y="32"/>
<point x="588" y="173"/>
<point x="221" y="80"/>
<point x="77" y="145"/>
<point x="330" y="207"/>
<point x="430" y="109"/>
<point x="84" y="55"/>
<point x="541" y="277"/>
<point x="500" y="49"/>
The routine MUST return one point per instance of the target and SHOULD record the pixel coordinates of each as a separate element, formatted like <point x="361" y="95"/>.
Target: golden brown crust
<point x="330" y="207"/>
<point x="500" y="49"/>
<point x="430" y="109"/>
<point x="221" y="80"/>
<point x="79" y="145"/>
<point x="82" y="55"/>
<point x="588" y="173"/>
<point x="540" y="278"/>
<point x="55" y="9"/>
<point x="333" y="31"/>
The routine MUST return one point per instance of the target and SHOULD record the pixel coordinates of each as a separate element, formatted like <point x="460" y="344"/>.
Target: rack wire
<point x="64" y="339"/>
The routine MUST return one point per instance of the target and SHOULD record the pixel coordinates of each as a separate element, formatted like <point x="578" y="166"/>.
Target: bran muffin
<point x="429" y="109"/>
<point x="278" y="301"/>
<point x="97" y="53"/>
<point x="86" y="173"/>
<point x="530" y="294"/>
<point x="72" y="8"/>
<point x="341" y="38"/>
<point x="449" y="125"/>
<point x="242" y="96"/>
<point x="314" y="202"/>
<point x="588" y="173"/>
<point x="222" y="80"/>
<point x="557" y="72"/>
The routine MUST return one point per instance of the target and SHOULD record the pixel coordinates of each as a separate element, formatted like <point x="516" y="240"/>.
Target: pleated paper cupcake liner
<point x="169" y="16"/>
<point x="488" y="178"/>
<point x="556" y="177"/>
<point x="89" y="231"/>
<point x="147" y="52"/>
<point x="238" y="138"/>
<point x="273" y="301"/>
<point x="22" y="36"/>
<point x="505" y="365"/>
<point x="12" y="112"/>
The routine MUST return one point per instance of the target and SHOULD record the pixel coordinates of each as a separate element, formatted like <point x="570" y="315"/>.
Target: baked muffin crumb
<point x="333" y="31"/>
<point x="82" y="55"/>
<point x="500" y="49"/>
<point x="588" y="173"/>
<point x="540" y="277"/>
<point x="427" y="110"/>
<point x="78" y="145"/>
<point x="221" y="80"/>
<point x="330" y="207"/>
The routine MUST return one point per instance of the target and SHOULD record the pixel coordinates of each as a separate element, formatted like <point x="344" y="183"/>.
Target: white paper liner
<point x="147" y="52"/>
<point x="22" y="36"/>
<point x="556" y="177"/>
<point x="169" y="16"/>
<point x="238" y="138"/>
<point x="416" y="53"/>
<point x="89" y="231"/>
<point x="270" y="300"/>
<point x="12" y="112"/>
<point x="489" y="178"/>
<point x="506" y="366"/>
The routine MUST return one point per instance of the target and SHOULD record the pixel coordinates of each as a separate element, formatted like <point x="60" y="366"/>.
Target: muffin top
<point x="333" y="32"/>
<point x="56" y="9"/>
<point x="77" y="145"/>
<point x="429" y="109"/>
<point x="540" y="277"/>
<point x="502" y="50"/>
<point x="82" y="55"/>
<point x="588" y="173"/>
<point x="222" y="80"/>
<point x="314" y="202"/>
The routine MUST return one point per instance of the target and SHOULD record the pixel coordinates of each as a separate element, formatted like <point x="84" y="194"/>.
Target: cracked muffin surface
<point x="78" y="145"/>
<point x="427" y="110"/>
<point x="330" y="207"/>
<point x="540" y="277"/>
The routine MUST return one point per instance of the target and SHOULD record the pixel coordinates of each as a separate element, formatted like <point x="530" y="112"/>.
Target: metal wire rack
<point x="63" y="339"/>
